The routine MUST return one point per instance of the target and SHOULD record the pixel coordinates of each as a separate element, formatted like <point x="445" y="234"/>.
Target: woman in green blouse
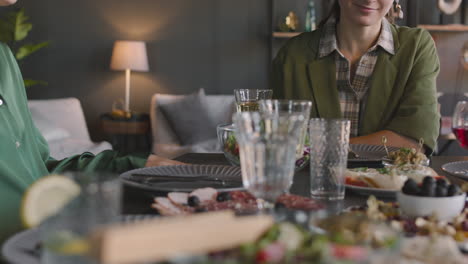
<point x="24" y="154"/>
<point x="360" y="67"/>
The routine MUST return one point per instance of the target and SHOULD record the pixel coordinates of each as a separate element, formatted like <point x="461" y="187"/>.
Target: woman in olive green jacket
<point x="360" y="67"/>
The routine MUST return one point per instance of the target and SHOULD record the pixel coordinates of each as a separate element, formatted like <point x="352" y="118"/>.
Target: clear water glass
<point x="267" y="145"/>
<point x="299" y="107"/>
<point x="247" y="99"/>
<point x="65" y="235"/>
<point x="329" y="143"/>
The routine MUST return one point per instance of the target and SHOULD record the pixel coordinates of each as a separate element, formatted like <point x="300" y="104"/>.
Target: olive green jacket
<point x="402" y="93"/>
<point x="24" y="154"/>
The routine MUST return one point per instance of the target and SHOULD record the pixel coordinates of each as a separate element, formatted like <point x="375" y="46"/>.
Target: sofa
<point x="168" y="141"/>
<point x="63" y="125"/>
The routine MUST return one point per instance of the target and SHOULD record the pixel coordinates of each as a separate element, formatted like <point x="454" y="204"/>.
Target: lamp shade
<point x="129" y="55"/>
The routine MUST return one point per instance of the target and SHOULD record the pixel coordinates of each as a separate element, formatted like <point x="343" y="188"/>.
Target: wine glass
<point x="460" y="123"/>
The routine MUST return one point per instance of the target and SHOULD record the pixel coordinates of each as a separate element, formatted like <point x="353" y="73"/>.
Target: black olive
<point x="453" y="190"/>
<point x="411" y="187"/>
<point x="441" y="182"/>
<point x="224" y="196"/>
<point x="441" y="191"/>
<point x="428" y="190"/>
<point x="428" y="180"/>
<point x="193" y="201"/>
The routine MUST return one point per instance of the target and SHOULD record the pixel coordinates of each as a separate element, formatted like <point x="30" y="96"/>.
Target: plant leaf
<point x="29" y="83"/>
<point x="28" y="49"/>
<point x="22" y="27"/>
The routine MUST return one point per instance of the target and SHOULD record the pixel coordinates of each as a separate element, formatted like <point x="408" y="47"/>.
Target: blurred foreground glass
<point x="267" y="145"/>
<point x="65" y="235"/>
<point x="460" y="123"/>
<point x="329" y="142"/>
<point x="292" y="107"/>
<point x="247" y="99"/>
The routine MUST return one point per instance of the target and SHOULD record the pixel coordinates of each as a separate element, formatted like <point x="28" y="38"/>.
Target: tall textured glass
<point x="267" y="145"/>
<point x="329" y="143"/>
<point x="247" y="99"/>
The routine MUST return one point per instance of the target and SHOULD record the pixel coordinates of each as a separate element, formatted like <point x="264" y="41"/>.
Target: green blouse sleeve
<point x="110" y="161"/>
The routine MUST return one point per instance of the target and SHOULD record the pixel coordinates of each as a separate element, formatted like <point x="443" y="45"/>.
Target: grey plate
<point x="370" y="152"/>
<point x="457" y="168"/>
<point x="23" y="247"/>
<point x="226" y="174"/>
<point x="382" y="193"/>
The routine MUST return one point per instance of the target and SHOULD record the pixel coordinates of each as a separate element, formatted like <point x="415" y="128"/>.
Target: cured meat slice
<point x="205" y="194"/>
<point x="179" y="198"/>
<point x="166" y="207"/>
<point x="297" y="202"/>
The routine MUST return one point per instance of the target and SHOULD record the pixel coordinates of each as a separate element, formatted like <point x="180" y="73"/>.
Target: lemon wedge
<point x="67" y="243"/>
<point x="45" y="197"/>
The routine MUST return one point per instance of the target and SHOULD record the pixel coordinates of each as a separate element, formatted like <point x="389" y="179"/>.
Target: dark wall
<point x="216" y="44"/>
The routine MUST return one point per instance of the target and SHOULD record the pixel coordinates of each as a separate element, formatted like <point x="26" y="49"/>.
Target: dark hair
<point x="335" y="12"/>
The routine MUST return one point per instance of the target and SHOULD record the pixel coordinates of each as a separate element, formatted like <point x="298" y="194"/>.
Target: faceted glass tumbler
<point x="292" y="107"/>
<point x="65" y="235"/>
<point x="329" y="144"/>
<point x="267" y="145"/>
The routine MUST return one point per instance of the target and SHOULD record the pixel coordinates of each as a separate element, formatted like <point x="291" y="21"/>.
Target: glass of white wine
<point x="247" y="99"/>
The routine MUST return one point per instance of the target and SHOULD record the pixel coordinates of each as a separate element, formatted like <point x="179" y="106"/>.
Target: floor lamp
<point x="129" y="56"/>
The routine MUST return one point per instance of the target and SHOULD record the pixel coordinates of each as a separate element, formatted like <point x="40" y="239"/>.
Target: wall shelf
<point x="446" y="28"/>
<point x="285" y="34"/>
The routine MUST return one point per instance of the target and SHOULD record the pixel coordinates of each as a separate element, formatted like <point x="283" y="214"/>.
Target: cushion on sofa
<point x="49" y="130"/>
<point x="189" y="118"/>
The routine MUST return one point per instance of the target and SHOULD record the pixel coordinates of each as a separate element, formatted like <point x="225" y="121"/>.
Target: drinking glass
<point x="267" y="145"/>
<point x="329" y="142"/>
<point x="247" y="99"/>
<point x="65" y="235"/>
<point x="460" y="123"/>
<point x="292" y="107"/>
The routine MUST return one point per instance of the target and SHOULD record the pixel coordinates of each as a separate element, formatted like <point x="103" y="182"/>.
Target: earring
<point x="397" y="9"/>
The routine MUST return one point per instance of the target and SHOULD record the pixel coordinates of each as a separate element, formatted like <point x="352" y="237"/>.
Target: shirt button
<point x="18" y="144"/>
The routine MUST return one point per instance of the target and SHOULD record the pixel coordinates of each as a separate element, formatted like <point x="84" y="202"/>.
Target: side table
<point x="128" y="135"/>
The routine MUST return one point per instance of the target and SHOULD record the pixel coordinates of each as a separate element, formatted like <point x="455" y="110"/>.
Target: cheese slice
<point x="166" y="238"/>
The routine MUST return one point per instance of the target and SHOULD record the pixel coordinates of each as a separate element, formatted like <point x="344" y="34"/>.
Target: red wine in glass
<point x="460" y="123"/>
<point x="462" y="135"/>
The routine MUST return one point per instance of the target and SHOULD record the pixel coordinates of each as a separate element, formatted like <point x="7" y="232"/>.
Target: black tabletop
<point x="136" y="201"/>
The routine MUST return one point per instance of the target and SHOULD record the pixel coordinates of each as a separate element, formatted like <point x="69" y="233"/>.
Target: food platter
<point x="458" y="169"/>
<point x="184" y="178"/>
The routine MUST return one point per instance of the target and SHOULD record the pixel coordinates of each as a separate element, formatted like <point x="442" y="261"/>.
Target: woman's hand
<point x="154" y="160"/>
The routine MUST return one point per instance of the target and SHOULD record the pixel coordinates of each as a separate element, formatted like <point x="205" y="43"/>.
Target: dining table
<point x="138" y="201"/>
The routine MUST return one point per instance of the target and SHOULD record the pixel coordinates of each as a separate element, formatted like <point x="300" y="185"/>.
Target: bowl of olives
<point x="433" y="197"/>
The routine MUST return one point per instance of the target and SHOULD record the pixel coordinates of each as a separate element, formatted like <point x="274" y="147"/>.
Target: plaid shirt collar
<point x="328" y="42"/>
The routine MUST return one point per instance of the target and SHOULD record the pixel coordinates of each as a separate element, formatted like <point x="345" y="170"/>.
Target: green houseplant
<point x="14" y="28"/>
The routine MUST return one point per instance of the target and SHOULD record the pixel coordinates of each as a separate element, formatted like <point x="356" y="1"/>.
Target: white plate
<point x="223" y="178"/>
<point x="23" y="247"/>
<point x="383" y="193"/>
<point x="457" y="168"/>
